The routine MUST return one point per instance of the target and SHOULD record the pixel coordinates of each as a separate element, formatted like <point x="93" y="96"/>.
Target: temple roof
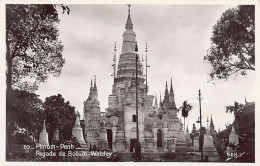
<point x="245" y="124"/>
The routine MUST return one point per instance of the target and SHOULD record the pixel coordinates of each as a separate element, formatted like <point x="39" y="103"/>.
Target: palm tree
<point x="185" y="109"/>
<point x="237" y="109"/>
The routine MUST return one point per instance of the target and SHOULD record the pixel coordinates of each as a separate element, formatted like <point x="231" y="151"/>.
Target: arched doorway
<point x="159" y="138"/>
<point x="109" y="138"/>
<point x="132" y="138"/>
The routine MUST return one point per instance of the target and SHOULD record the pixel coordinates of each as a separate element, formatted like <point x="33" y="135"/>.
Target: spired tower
<point x="92" y="116"/>
<point x="122" y="102"/>
<point x="160" y="130"/>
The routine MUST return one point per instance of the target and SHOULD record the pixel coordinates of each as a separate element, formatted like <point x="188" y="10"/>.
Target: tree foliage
<point x="232" y="48"/>
<point x="33" y="48"/>
<point x="59" y="113"/>
<point x="26" y="113"/>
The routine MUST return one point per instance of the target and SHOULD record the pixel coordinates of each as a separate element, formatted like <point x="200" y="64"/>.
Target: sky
<point x="178" y="37"/>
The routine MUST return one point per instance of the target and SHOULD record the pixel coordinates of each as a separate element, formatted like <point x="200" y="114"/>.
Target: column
<point x="165" y="134"/>
<point x="114" y="129"/>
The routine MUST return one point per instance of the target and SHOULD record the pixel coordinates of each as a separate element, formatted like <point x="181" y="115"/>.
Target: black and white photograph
<point x="129" y="82"/>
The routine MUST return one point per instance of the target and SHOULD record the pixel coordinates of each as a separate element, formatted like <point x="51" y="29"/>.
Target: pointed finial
<point x="211" y="121"/>
<point x="245" y="100"/>
<point x="207" y="122"/>
<point x="129" y="24"/>
<point x="95" y="86"/>
<point x="187" y="129"/>
<point x="115" y="47"/>
<point x="166" y="86"/>
<point x="171" y="90"/>
<point x="91" y="84"/>
<point x="146" y="48"/>
<point x="233" y="129"/>
<point x="44" y="127"/>
<point x="155" y="100"/>
<point x="129" y="5"/>
<point x="77" y="123"/>
<point x="160" y="98"/>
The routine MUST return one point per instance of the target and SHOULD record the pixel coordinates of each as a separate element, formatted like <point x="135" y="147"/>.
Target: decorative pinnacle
<point x="166" y="87"/>
<point x="95" y="86"/>
<point x="115" y="47"/>
<point x="91" y="84"/>
<point x="44" y="127"/>
<point x="77" y="123"/>
<point x="129" y="24"/>
<point x="160" y="98"/>
<point x="155" y="100"/>
<point x="171" y="90"/>
<point x="129" y="5"/>
<point x="146" y="48"/>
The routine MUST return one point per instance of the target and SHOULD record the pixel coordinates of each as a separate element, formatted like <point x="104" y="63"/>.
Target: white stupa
<point x="233" y="138"/>
<point x="209" y="151"/>
<point x="77" y="132"/>
<point x="43" y="138"/>
<point x="208" y="140"/>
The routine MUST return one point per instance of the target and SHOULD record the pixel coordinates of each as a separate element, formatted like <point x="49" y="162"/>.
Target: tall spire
<point x="44" y="127"/>
<point x="95" y="86"/>
<point x="171" y="89"/>
<point x="115" y="47"/>
<point x="207" y="130"/>
<point x="166" y="95"/>
<point x="160" y="98"/>
<point x="77" y="123"/>
<point x="187" y="129"/>
<point x="91" y="84"/>
<point x="114" y="74"/>
<point x="155" y="100"/>
<point x="129" y="24"/>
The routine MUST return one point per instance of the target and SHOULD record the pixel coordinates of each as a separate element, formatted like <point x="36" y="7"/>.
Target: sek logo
<point x="234" y="154"/>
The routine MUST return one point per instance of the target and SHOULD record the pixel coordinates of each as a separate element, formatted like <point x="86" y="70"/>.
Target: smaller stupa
<point x="77" y="132"/>
<point x="43" y="138"/>
<point x="233" y="138"/>
<point x="209" y="151"/>
<point x="233" y="142"/>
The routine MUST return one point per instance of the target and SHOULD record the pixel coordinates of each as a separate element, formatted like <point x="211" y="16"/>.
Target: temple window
<point x="133" y="118"/>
